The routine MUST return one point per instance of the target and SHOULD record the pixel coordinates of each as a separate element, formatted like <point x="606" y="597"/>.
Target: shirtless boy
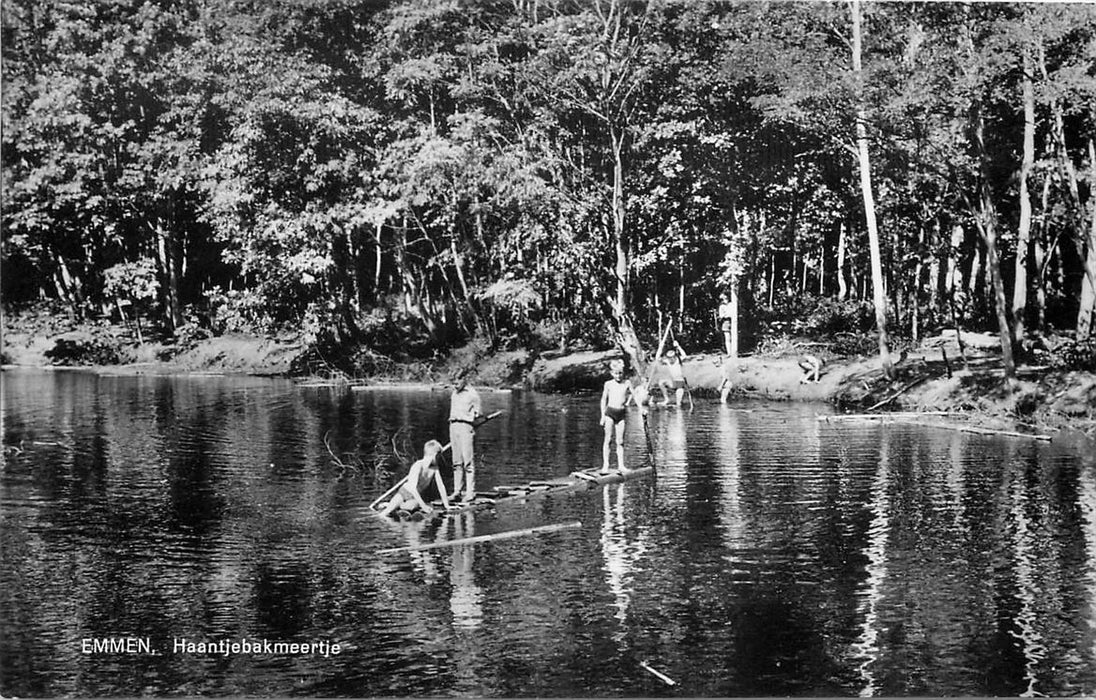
<point x="409" y="497"/>
<point x="614" y="398"/>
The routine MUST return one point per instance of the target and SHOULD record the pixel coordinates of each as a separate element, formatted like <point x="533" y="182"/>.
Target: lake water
<point x="773" y="553"/>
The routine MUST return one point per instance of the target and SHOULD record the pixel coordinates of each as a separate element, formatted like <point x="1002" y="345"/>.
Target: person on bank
<point x="423" y="473"/>
<point x="676" y="381"/>
<point x="464" y="410"/>
<point x="614" y="398"/>
<point x="724" y="316"/>
<point x="812" y="369"/>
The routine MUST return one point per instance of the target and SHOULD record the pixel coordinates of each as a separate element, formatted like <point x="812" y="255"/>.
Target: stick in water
<point x="485" y="538"/>
<point x="661" y="676"/>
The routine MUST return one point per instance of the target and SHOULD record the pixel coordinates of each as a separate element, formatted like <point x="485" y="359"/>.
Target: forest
<point x="396" y="179"/>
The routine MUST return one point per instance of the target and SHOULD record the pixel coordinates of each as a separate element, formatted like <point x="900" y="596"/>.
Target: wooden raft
<point x="577" y="481"/>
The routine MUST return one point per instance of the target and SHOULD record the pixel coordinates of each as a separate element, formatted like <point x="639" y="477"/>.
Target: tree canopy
<point x="409" y="175"/>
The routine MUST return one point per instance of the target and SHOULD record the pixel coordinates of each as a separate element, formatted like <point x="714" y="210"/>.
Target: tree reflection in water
<point x="866" y="647"/>
<point x="621" y="555"/>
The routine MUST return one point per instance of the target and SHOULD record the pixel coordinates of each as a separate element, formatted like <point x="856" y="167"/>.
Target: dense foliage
<point x="408" y="175"/>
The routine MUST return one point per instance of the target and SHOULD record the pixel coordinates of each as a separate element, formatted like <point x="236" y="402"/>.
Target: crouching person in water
<point x="409" y="498"/>
<point x="614" y="397"/>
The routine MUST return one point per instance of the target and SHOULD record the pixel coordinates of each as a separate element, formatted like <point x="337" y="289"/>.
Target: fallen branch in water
<point x="898" y="393"/>
<point x="341" y="464"/>
<point x="485" y="538"/>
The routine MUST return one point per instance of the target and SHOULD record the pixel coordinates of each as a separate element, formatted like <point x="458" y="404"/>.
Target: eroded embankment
<point x="934" y="377"/>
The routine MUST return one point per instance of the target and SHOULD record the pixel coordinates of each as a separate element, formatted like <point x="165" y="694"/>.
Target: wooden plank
<point x="485" y="538"/>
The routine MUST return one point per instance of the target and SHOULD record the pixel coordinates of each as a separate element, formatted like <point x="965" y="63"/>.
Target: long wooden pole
<point x="485" y="538"/>
<point x="401" y="482"/>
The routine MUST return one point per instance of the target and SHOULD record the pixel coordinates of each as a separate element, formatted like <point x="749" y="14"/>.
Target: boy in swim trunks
<point x="409" y="497"/>
<point x="614" y="397"/>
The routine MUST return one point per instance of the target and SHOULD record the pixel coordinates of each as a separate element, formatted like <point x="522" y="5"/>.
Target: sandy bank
<point x="930" y="378"/>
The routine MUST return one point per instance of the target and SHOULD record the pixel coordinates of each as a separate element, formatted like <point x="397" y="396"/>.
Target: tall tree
<point x="879" y="295"/>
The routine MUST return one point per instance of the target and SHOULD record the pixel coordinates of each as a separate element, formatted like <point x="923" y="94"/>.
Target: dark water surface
<point x="774" y="554"/>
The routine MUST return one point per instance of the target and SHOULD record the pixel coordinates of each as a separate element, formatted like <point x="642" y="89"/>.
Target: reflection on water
<point x="621" y="552"/>
<point x="772" y="555"/>
<point x="866" y="647"/>
<point x="466" y="599"/>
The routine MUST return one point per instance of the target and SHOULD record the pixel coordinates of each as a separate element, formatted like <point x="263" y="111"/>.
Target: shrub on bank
<point x="87" y="347"/>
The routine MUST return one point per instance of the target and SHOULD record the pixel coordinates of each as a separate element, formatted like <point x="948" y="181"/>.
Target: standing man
<point x="464" y="409"/>
<point x="724" y="315"/>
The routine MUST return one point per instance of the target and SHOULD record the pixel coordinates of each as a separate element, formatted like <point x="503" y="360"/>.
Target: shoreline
<point x="1043" y="400"/>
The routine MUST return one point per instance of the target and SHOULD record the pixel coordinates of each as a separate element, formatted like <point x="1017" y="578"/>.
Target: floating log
<point x="486" y="538"/>
<point x="657" y="674"/>
<point x="882" y="416"/>
<point x="1003" y="433"/>
<point x="912" y="419"/>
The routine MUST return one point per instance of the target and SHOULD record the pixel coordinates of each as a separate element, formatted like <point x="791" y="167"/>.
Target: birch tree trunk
<point x="842" y="287"/>
<point x="1023" y="235"/>
<point x="1088" y="284"/>
<point x="1039" y="251"/>
<point x="626" y="334"/>
<point x="879" y="294"/>
<point x="734" y="317"/>
<point x="169" y="277"/>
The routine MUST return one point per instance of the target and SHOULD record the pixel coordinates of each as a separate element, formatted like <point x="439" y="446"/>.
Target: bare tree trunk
<point x="772" y="275"/>
<point x="937" y="285"/>
<point x="379" y="260"/>
<point x="879" y="294"/>
<point x="1023" y="236"/>
<point x="413" y="299"/>
<point x="842" y="287"/>
<point x="169" y="277"/>
<point x="626" y="334"/>
<point x="734" y="317"/>
<point x="915" y="294"/>
<point x="954" y="274"/>
<point x="1040" y="256"/>
<point x="1088" y="284"/>
<point x="458" y="263"/>
<point x="987" y="224"/>
<point x="68" y="289"/>
<point x="976" y="276"/>
<point x="1058" y="133"/>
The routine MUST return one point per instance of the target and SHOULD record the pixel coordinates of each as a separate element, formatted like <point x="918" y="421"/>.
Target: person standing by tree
<point x="724" y="315"/>
<point x="464" y="409"/>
